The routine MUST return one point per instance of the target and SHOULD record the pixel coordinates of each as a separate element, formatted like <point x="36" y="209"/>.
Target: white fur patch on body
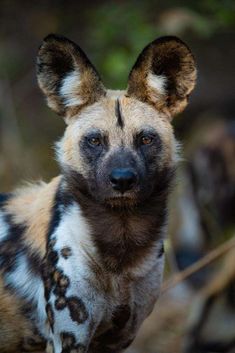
<point x="29" y="287"/>
<point x="73" y="232"/>
<point x="23" y="280"/>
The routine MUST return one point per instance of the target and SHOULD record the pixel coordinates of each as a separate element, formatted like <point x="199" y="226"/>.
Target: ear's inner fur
<point x="164" y="75"/>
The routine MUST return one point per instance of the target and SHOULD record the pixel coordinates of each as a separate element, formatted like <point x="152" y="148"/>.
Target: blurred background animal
<point x="211" y="179"/>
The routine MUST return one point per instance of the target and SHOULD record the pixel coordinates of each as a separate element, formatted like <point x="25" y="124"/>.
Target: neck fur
<point x="124" y="236"/>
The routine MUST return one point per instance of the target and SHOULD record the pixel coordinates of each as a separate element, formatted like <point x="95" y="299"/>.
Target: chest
<point x="74" y="257"/>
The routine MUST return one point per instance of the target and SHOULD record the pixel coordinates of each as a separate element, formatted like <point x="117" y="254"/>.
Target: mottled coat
<point x="82" y="257"/>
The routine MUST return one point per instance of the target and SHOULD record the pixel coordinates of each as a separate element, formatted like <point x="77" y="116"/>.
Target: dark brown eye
<point x="95" y="141"/>
<point x="146" y="140"/>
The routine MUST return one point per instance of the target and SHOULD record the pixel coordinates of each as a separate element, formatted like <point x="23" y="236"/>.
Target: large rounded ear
<point x="164" y="75"/>
<point x="66" y="76"/>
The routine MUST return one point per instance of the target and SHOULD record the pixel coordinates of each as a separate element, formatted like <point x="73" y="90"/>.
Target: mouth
<point x="121" y="201"/>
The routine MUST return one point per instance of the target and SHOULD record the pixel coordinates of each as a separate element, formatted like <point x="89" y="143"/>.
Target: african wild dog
<point x="82" y="257"/>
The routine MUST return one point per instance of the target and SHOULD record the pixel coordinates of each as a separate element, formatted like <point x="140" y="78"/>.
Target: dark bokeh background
<point x="112" y="33"/>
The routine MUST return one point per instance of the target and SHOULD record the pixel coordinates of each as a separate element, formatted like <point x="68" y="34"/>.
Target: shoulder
<point x="30" y="208"/>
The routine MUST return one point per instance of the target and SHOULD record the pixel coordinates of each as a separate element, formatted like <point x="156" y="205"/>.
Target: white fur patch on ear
<point x="70" y="88"/>
<point x="158" y="83"/>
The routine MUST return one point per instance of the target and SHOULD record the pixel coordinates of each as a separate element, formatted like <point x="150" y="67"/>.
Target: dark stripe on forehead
<point x="118" y="114"/>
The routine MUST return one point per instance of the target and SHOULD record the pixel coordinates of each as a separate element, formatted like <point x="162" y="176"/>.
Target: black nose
<point x="122" y="179"/>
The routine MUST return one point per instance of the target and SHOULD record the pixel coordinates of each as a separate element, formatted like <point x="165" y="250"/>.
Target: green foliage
<point x="117" y="31"/>
<point x="222" y="12"/>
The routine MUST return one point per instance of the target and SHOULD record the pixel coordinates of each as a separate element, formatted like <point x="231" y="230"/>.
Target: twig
<point x="206" y="260"/>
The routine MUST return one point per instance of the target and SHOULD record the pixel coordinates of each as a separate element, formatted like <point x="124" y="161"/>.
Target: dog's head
<point x="117" y="143"/>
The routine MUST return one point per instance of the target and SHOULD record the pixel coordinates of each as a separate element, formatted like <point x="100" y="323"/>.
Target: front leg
<point x="127" y="320"/>
<point x="124" y="324"/>
<point x="72" y="314"/>
<point x="71" y="326"/>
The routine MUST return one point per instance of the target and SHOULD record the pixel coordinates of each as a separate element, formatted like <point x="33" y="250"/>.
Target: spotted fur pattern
<point x="81" y="262"/>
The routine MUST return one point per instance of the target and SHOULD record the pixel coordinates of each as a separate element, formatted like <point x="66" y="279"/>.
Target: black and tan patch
<point x="48" y="272"/>
<point x="60" y="279"/>
<point x="47" y="280"/>
<point x="12" y="246"/>
<point x="50" y="315"/>
<point x="69" y="344"/>
<point x="61" y="283"/>
<point x="51" y="243"/>
<point x="60" y="303"/>
<point x="77" y="309"/>
<point x="61" y="286"/>
<point x="52" y="257"/>
<point x="53" y="277"/>
<point x="66" y="252"/>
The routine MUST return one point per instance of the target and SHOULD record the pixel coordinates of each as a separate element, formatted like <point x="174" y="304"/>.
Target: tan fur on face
<point x="136" y="115"/>
<point x="31" y="206"/>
